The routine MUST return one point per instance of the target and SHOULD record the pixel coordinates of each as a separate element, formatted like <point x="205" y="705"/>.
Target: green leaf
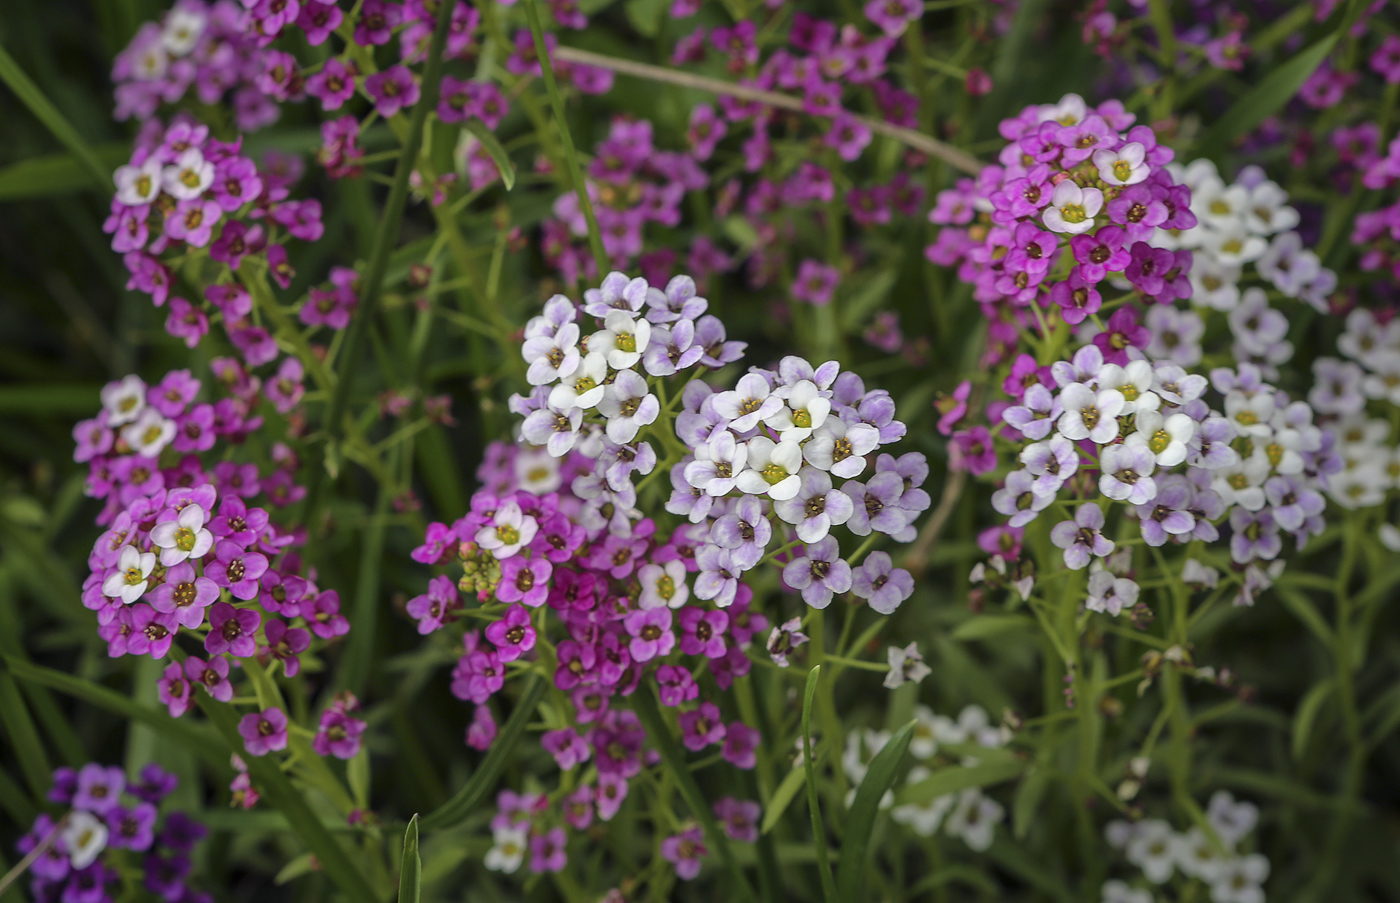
<point x="983" y="627"/>
<point x="1305" y="611"/>
<point x="1027" y="801"/>
<point x="411" y="865"/>
<point x="958" y="777"/>
<point x="51" y="400"/>
<point x="860" y="822"/>
<point x="181" y="732"/>
<point x="56" y="174"/>
<point x="644" y="704"/>
<point x="859" y="306"/>
<point x="295" y="868"/>
<point x="493" y="147"/>
<point x="1265" y="98"/>
<point x="809" y="770"/>
<point x="1308" y="710"/>
<point x="24" y="738"/>
<point x="783" y="796"/>
<point x="277" y="790"/>
<point x="358" y="660"/>
<point x="465" y="801"/>
<point x="44" y="110"/>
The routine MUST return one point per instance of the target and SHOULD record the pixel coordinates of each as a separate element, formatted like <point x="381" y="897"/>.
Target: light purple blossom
<point x="820" y="574"/>
<point x="882" y="584"/>
<point x="1081" y="538"/>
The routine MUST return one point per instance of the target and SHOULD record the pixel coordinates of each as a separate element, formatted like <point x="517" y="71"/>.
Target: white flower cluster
<point x="1159" y="852"/>
<point x="1246" y="222"/>
<point x="1342" y="388"/>
<point x="145" y="429"/>
<point x="968" y="814"/>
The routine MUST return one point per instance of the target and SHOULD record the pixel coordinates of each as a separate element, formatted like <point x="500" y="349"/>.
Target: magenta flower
<point x="98" y="788"/>
<point x="703" y="632"/>
<point x="741" y="745"/>
<point x="378" y="19"/>
<point x="231" y="630"/>
<point x="185" y="595"/>
<point x="684" y="850"/>
<point x="738" y="818"/>
<point x="323" y="616"/>
<point x="333" y="85"/>
<point x="524" y="580"/>
<point x="392" y="90"/>
<point x="264" y="732"/>
<point x="815" y="282"/>
<point x="432" y="608"/>
<point x="211" y="675"/>
<point x="513" y="635"/>
<point x="567" y="747"/>
<point x="481" y="733"/>
<point x="651" y="634"/>
<point x="675" y="685"/>
<point x="151" y="632"/>
<point x="701" y="727"/>
<point x="547" y="851"/>
<point x="338" y="735"/>
<point x="236" y="570"/>
<point x="286" y="644"/>
<point x="174" y="691"/>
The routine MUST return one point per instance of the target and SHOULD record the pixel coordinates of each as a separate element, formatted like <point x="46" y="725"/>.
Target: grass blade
<point x="959" y="777"/>
<point x="861" y="820"/>
<point x="358" y="660"/>
<point x="809" y="768"/>
<point x="411" y="865"/>
<point x="44" y="110"/>
<point x="493" y="147"/>
<point x="644" y="704"/>
<point x="24" y="738"/>
<point x="474" y="791"/>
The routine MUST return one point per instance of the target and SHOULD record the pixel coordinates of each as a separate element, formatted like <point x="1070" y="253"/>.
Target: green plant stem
<point x="556" y="100"/>
<point x="43" y="109"/>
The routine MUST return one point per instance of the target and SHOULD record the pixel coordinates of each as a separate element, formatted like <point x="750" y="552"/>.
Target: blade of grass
<point x="474" y="791"/>
<point x="493" y="147"/>
<point x="644" y="704"/>
<point x="385" y="238"/>
<point x="24" y="738"/>
<point x="411" y="865"/>
<point x="813" y="798"/>
<point x="277" y="790"/>
<point x="359" y="651"/>
<point x="44" y="110"/>
<point x="861" y="820"/>
<point x="177" y="731"/>
<point x="556" y="100"/>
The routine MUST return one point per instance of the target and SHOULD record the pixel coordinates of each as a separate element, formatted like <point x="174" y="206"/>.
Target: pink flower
<point x="741" y="745"/>
<point x="513" y="635"/>
<point x="815" y="282"/>
<point x="264" y="732"/>
<point x="651" y="633"/>
<point x="392" y="90"/>
<point x="338" y="735"/>
<point x="547" y="851"/>
<point x="702" y="727"/>
<point x="684" y="850"/>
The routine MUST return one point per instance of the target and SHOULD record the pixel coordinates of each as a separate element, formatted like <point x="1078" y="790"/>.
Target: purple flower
<point x="547" y="851"/>
<point x="651" y="634"/>
<point x="972" y="451"/>
<point x="131" y="828"/>
<point x="522" y="580"/>
<point x="701" y="727"/>
<point x="876" y="505"/>
<point x="816" y="508"/>
<point x="675" y="685"/>
<point x="567" y="747"/>
<point x="784" y="639"/>
<point x="1167" y="515"/>
<point x="1080" y="538"/>
<point x="378" y="19"/>
<point x="882" y="584"/>
<point x="717" y="580"/>
<point x="744" y="532"/>
<point x="1100" y="253"/>
<point x="185" y="595"/>
<point x="1126" y="473"/>
<point x="703" y="632"/>
<point x="738" y="818"/>
<point x="174" y="691"/>
<point x="392" y="90"/>
<point x="430" y="609"/>
<point x="513" y="635"/>
<point x="232" y="630"/>
<point x="821" y="573"/>
<point x="264" y="732"/>
<point x="338" y="734"/>
<point x="1255" y="535"/>
<point x="815" y="283"/>
<point x="98" y="788"/>
<point x="286" y="644"/>
<point x="236" y="569"/>
<point x="684" y="851"/>
<point x="477" y="676"/>
<point x="151" y="632"/>
<point x="211" y="675"/>
<point x="1292" y="501"/>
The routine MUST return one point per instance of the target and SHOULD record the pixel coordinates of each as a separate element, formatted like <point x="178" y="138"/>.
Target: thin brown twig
<point x="24" y="864"/>
<point x="958" y="159"/>
<point x="916" y="559"/>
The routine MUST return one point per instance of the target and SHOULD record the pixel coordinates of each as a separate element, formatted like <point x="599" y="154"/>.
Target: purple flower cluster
<point x="110" y="837"/>
<point x="201" y="46"/>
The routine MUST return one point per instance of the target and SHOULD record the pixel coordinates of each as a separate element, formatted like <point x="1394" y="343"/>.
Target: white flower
<point x="552" y="357"/>
<point x="1165" y="437"/>
<point x="1389" y="536"/>
<point x="1115" y="891"/>
<point x="84" y="837"/>
<point x="1242" y="483"/>
<point x="1231" y="820"/>
<point x="628" y="405"/>
<point x="556" y="428"/>
<point x="923" y="818"/>
<point x="906" y="666"/>
<point x="583" y="388"/>
<point x="1151" y="849"/>
<point x="138" y="185"/>
<point x="1232" y="245"/>
<point x="149" y="434"/>
<point x="841" y="449"/>
<point x="183" y="538"/>
<point x="124" y="400"/>
<point x="132" y="575"/>
<point x="1125" y="166"/>
<point x="750" y="402"/>
<point x="1250" y="413"/>
<point x="806" y="410"/>
<point x="1193" y="573"/>
<point x="182" y="30"/>
<point x="189" y="176"/>
<point x="663" y="585"/>
<point x="1133" y="382"/>
<point x="1241" y="880"/>
<point x="536" y="470"/>
<point x="1110" y="594"/>
<point x="510" y="530"/>
<point x="773" y="469"/>
<point x="508" y="850"/>
<point x="558" y="310"/>
<point x="1218" y="205"/>
<point x="975" y="819"/>
<point x="1072" y="209"/>
<point x="717" y="464"/>
<point x="1089" y="414"/>
<point x="1071" y="110"/>
<point x="622" y="340"/>
<point x="1288" y="265"/>
<point x="151" y="64"/>
<point x="1267" y="210"/>
<point x="924" y="742"/>
<point x="1214" y="284"/>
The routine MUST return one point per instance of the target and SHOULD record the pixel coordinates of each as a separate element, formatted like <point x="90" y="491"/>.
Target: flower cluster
<point x="110" y="837"/>
<point x="1159" y="852"/>
<point x="199" y="45"/>
<point x="1076" y="196"/>
<point x="940" y="741"/>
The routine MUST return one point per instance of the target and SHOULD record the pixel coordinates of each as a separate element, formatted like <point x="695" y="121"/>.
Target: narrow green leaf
<point x="474" y="791"/>
<point x="1306" y="717"/>
<point x="411" y="865"/>
<point x="277" y="790"/>
<point x="493" y="147"/>
<point x="809" y="770"/>
<point x="57" y="174"/>
<point x="52" y="400"/>
<point x="859" y="306"/>
<point x="1304" y="610"/>
<point x="294" y="869"/>
<point x="783" y="797"/>
<point x="644" y="704"/>
<point x="358" y="660"/>
<point x="24" y="738"/>
<point x="860" y="823"/>
<point x="43" y="109"/>
<point x="982" y="627"/>
<point x="1027" y="801"/>
<point x="1265" y="98"/>
<point x="180" y="732"/>
<point x="958" y="777"/>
